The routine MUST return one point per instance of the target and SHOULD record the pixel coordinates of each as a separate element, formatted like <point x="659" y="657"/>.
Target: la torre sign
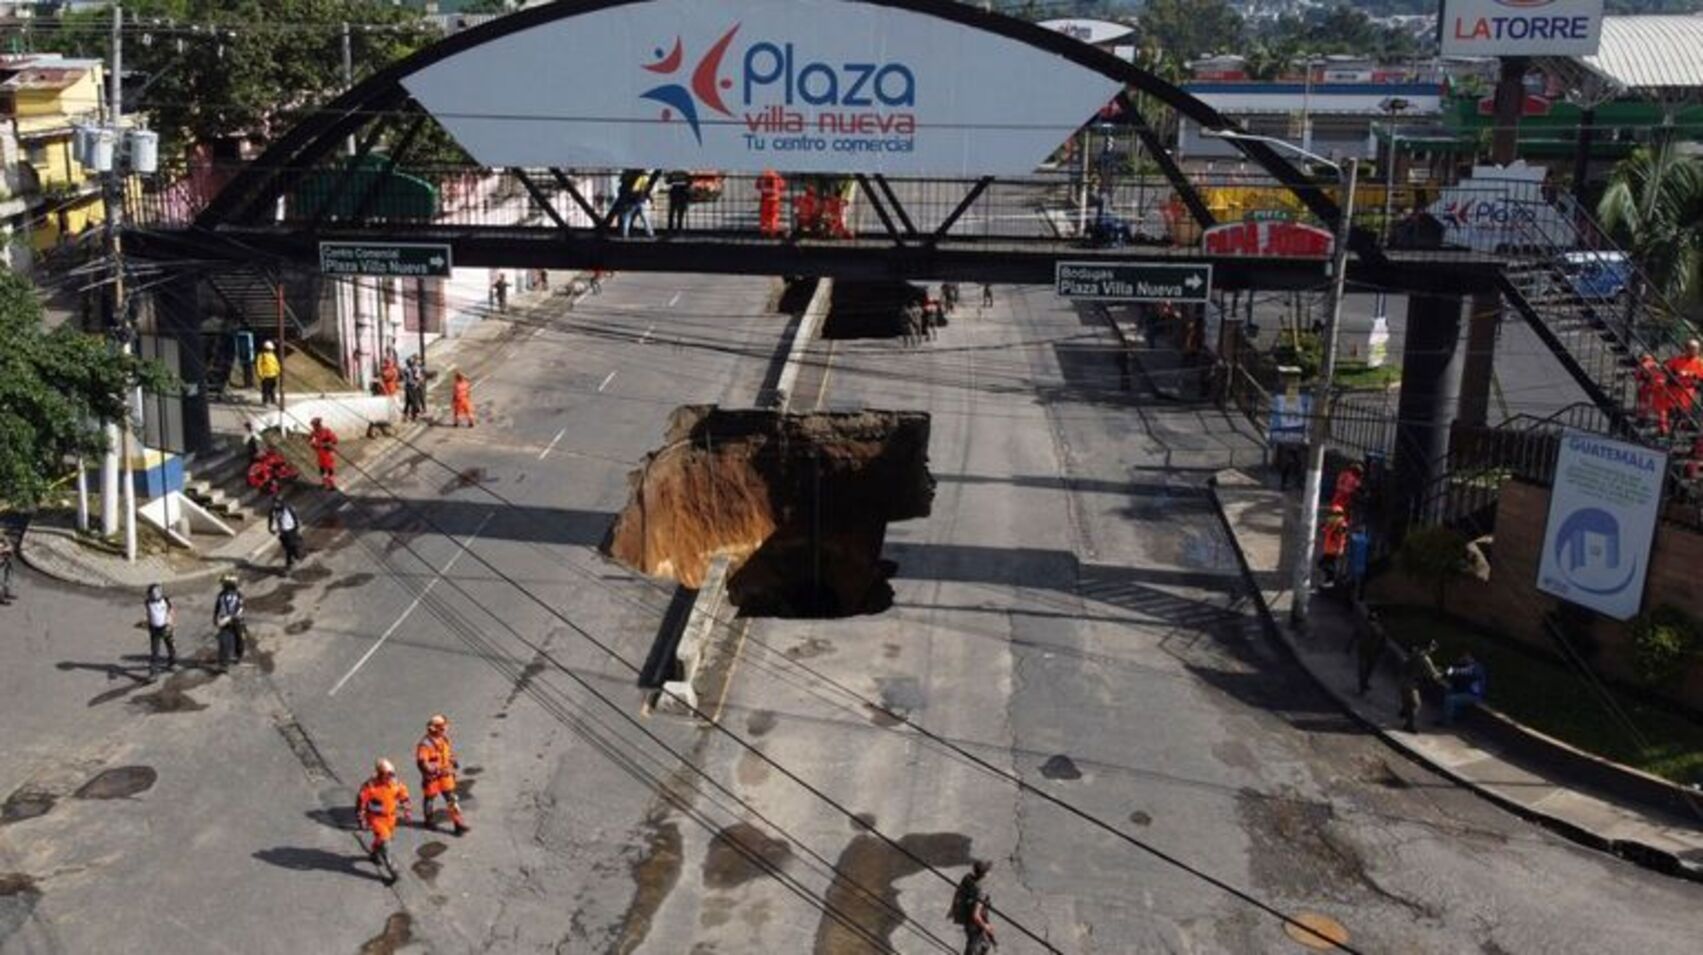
<point x="831" y="86"/>
<point x="1521" y="27"/>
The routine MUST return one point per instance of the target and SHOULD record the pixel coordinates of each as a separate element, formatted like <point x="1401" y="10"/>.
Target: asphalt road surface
<point x="1097" y="712"/>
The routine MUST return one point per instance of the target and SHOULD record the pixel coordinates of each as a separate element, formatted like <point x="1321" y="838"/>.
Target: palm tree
<point x="1654" y="207"/>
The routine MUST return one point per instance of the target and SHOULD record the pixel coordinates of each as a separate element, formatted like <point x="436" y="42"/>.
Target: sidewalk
<point x="52" y="546"/>
<point x="1524" y="773"/>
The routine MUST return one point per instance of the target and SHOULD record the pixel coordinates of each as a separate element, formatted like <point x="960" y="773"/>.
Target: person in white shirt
<point x="282" y="521"/>
<point x="162" y="617"/>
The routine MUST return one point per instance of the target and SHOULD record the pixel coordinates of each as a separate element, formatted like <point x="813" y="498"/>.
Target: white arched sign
<point x="747" y="85"/>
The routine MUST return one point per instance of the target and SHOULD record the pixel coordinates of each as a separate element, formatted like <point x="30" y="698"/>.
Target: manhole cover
<point x="1316" y="931"/>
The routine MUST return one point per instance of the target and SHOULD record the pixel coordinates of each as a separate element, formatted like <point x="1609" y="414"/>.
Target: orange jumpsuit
<point x="1336" y="537"/>
<point x="461" y="401"/>
<point x="378" y="804"/>
<point x="1684" y="372"/>
<point x="324" y="443"/>
<point x="770" y="186"/>
<point x="389" y="377"/>
<point x="436" y="760"/>
<point x="1347" y="483"/>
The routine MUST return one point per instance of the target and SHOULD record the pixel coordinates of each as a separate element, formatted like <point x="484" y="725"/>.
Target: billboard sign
<point x="1272" y="238"/>
<point x="746" y="85"/>
<point x="1602" y="521"/>
<point x="1499" y="208"/>
<point x="1521" y="27"/>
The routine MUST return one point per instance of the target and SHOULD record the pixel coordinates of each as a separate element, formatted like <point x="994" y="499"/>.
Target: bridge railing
<point x="1048" y="204"/>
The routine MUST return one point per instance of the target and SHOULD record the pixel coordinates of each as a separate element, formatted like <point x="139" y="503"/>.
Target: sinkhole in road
<point x="869" y="309"/>
<point x="798" y="504"/>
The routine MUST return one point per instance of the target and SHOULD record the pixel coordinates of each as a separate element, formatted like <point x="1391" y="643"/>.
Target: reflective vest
<point x="381" y="797"/>
<point x="434" y="755"/>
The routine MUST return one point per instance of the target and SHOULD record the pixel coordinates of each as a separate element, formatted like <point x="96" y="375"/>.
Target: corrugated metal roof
<point x="1650" y="53"/>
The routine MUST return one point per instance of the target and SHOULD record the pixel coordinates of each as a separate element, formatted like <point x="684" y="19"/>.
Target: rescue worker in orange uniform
<point x="389" y="376"/>
<point x="382" y="798"/>
<point x="461" y="400"/>
<point x="1684" y="371"/>
<point x="1348" y="483"/>
<point x="808" y="212"/>
<point x="324" y="443"/>
<point x="436" y="759"/>
<point x="1334" y="547"/>
<point x="770" y="188"/>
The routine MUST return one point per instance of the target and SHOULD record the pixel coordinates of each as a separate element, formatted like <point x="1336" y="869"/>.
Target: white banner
<point x="746" y="85"/>
<point x="1602" y="521"/>
<point x="1521" y="27"/>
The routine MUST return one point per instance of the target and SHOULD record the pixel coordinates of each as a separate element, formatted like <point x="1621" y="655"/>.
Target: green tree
<point x="262" y="65"/>
<point x="53" y="386"/>
<point x="1434" y="556"/>
<point x="1186" y="29"/>
<point x="1654" y="207"/>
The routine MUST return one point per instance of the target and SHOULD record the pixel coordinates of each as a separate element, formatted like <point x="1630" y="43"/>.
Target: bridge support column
<point x="177" y="317"/>
<point x="1430" y="390"/>
<point x="1482" y="324"/>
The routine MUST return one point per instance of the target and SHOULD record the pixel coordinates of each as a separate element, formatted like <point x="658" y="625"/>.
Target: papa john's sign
<point x="1521" y="27"/>
<point x="1272" y="238"/>
<point x="747" y="85"/>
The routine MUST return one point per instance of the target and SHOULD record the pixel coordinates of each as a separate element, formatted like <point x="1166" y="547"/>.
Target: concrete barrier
<point x="804" y="331"/>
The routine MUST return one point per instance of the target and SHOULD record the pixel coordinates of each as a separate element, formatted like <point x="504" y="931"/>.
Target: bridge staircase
<point x="1599" y="341"/>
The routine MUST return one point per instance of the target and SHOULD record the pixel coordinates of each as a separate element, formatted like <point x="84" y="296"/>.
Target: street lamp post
<point x="1318" y="435"/>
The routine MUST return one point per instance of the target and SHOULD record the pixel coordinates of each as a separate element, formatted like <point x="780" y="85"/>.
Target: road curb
<point x="1649" y="857"/>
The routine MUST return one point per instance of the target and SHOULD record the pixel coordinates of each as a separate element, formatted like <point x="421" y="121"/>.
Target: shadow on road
<point x="308" y="860"/>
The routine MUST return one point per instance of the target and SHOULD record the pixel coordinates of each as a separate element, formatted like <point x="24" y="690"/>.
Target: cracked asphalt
<point x="1068" y="616"/>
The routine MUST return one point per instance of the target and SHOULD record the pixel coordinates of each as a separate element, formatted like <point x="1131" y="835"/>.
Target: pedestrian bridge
<point x="916" y="138"/>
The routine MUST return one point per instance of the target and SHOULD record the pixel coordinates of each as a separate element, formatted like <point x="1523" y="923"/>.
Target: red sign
<point x="1287" y="240"/>
<point x="1533" y="106"/>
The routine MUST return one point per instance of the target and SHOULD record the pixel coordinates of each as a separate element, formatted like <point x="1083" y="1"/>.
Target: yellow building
<point x="43" y="97"/>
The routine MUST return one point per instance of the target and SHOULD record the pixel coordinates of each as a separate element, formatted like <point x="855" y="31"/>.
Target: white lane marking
<point x="606" y="382"/>
<point x="645" y="339"/>
<point x="674" y="301"/>
<point x="552" y="445"/>
<point x="415" y="605"/>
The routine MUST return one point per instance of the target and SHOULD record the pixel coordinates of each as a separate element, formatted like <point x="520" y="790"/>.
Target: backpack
<point x="963" y="902"/>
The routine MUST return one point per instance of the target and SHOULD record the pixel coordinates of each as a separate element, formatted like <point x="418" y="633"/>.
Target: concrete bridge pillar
<point x="1430" y="393"/>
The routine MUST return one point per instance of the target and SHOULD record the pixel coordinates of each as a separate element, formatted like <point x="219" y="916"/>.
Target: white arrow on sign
<point x="436" y="261"/>
<point x="1193" y="281"/>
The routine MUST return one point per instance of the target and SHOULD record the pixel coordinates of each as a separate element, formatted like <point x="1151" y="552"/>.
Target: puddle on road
<point x="760" y="722"/>
<point x="27" y="802"/>
<point x="1060" y="767"/>
<point x="426" y="866"/>
<point x="121" y="782"/>
<point x="740" y="853"/>
<point x="655" y="873"/>
<point x="472" y="770"/>
<point x="1140" y="818"/>
<point x="810" y="649"/>
<point x="869" y="867"/>
<point x="398" y="932"/>
<point x="299" y="627"/>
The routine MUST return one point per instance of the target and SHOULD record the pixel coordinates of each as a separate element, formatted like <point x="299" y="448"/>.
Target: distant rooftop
<point x="1652" y="55"/>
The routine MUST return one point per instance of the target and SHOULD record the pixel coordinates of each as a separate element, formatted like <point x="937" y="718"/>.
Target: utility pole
<point x="113" y="193"/>
<point x="1319" y="434"/>
<point x="363" y="358"/>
